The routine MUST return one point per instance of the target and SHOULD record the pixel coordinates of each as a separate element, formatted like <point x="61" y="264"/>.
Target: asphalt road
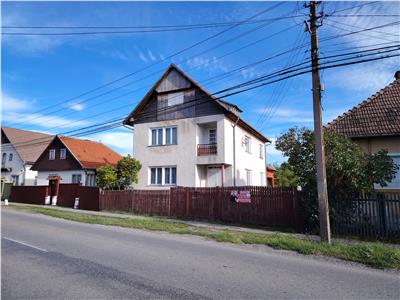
<point x="49" y="258"/>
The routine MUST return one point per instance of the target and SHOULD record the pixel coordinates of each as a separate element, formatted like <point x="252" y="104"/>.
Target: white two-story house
<point x="184" y="136"/>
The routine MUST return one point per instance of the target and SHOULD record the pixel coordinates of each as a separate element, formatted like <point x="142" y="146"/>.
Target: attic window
<point x="171" y="99"/>
<point x="52" y="154"/>
<point x="63" y="153"/>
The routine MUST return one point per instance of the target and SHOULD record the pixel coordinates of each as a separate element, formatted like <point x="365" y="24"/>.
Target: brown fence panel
<point x="89" y="197"/>
<point x="29" y="194"/>
<point x="67" y="194"/>
<point x="136" y="201"/>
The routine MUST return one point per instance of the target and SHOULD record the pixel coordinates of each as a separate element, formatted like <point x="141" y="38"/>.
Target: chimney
<point x="397" y="75"/>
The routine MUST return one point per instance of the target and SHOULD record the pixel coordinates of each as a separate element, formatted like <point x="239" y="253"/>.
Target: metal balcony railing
<point x="206" y="149"/>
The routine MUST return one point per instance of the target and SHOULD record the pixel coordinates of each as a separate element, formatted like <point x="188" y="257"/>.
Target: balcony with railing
<point x="206" y="149"/>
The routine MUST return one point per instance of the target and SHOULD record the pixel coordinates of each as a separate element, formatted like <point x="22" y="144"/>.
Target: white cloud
<point x="120" y="141"/>
<point x="10" y="103"/>
<point x="43" y="121"/>
<point x="283" y="115"/>
<point x="274" y="155"/>
<point x="77" y="106"/>
<point x="151" y="56"/>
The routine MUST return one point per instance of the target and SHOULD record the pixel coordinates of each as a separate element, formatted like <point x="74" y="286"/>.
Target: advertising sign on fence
<point x="240" y="196"/>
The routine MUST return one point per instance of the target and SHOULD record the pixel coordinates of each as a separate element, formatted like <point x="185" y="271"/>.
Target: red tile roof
<point x="91" y="155"/>
<point x="28" y="144"/>
<point x="379" y="115"/>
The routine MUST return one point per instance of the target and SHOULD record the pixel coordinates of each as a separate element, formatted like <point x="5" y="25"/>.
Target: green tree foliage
<point x="120" y="177"/>
<point x="106" y="177"/>
<point x="127" y="171"/>
<point x="348" y="168"/>
<point x="285" y="176"/>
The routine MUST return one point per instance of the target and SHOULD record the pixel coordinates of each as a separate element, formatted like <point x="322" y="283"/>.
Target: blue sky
<point x="39" y="71"/>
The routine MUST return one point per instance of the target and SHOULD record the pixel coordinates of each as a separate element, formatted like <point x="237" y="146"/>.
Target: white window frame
<point x="163" y="138"/>
<point x="163" y="181"/>
<point x="210" y="134"/>
<point x="248" y="177"/>
<point x="52" y="154"/>
<point x="247" y="144"/>
<point x="76" y="176"/>
<point x="63" y="153"/>
<point x="261" y="151"/>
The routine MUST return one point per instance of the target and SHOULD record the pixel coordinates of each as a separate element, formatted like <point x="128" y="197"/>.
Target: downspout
<point x="234" y="150"/>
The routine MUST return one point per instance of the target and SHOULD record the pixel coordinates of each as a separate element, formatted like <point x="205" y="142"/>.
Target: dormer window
<point x="63" y="153"/>
<point x="52" y="154"/>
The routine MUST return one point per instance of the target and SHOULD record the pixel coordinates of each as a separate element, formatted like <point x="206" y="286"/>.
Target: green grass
<point x="374" y="254"/>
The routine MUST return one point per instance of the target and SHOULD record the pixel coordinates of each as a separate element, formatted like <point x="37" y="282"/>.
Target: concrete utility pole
<point x="323" y="206"/>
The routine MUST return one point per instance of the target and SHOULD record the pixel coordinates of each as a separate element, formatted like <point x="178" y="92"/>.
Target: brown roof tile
<point x="379" y="115"/>
<point x="28" y="144"/>
<point x="91" y="154"/>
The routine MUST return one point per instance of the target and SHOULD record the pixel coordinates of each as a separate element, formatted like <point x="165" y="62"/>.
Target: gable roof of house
<point x="231" y="110"/>
<point x="28" y="144"/>
<point x="379" y="115"/>
<point x="90" y="154"/>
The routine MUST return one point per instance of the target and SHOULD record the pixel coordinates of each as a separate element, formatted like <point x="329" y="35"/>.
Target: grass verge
<point x="374" y="254"/>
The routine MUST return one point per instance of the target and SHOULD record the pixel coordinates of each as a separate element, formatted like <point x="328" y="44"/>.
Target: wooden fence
<point x="268" y="206"/>
<point x="368" y="215"/>
<point x="88" y="196"/>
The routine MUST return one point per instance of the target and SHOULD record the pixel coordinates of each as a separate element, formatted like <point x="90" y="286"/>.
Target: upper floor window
<point x="63" y="153"/>
<point x="261" y="151"/>
<point x="10" y="157"/>
<point x="52" y="154"/>
<point x="247" y="144"/>
<point x="164" y="136"/>
<point x="175" y="98"/>
<point x="212" y="135"/>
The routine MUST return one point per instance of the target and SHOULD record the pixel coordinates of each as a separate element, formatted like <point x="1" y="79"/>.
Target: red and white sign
<point x="241" y="196"/>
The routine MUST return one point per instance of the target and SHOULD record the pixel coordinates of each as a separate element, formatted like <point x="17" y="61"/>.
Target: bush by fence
<point x="374" y="215"/>
<point x="269" y="206"/>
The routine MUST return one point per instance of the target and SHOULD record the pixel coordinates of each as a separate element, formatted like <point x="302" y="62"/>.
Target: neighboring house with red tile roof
<point x="374" y="124"/>
<point x="19" y="150"/>
<point x="74" y="160"/>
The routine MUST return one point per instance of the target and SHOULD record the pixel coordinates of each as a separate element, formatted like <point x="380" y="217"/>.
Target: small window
<point x="174" y="135"/>
<point x="261" y="151"/>
<point x="175" y="98"/>
<point x="10" y="157"/>
<point x="3" y="159"/>
<point x="212" y="134"/>
<point x="168" y="136"/>
<point x="15" y="179"/>
<point x="153" y="176"/>
<point x="159" y="136"/>
<point x="173" y="175"/>
<point x="159" y="175"/>
<point x="63" y="153"/>
<point x="247" y="144"/>
<point x="52" y="154"/>
<point x="154" y="136"/>
<point x="167" y="176"/>
<point x="248" y="177"/>
<point x="76" y="178"/>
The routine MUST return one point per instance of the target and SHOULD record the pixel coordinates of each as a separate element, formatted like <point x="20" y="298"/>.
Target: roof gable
<point x="28" y="144"/>
<point x="379" y="115"/>
<point x="175" y="79"/>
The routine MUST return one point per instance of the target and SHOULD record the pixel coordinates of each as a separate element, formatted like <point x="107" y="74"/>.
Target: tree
<point x="127" y="171"/>
<point x="106" y="177"/>
<point x="119" y="177"/>
<point x="348" y="168"/>
<point x="285" y="176"/>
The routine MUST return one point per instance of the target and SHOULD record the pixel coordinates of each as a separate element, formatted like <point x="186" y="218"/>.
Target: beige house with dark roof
<point x="374" y="124"/>
<point x="19" y="150"/>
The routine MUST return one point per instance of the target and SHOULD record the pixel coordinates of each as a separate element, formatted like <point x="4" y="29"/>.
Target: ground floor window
<point x="76" y="178"/>
<point x="15" y="179"/>
<point x="248" y="177"/>
<point x="90" y="180"/>
<point x="162" y="175"/>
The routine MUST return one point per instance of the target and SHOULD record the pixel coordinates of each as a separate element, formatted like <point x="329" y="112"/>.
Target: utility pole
<point x="323" y="206"/>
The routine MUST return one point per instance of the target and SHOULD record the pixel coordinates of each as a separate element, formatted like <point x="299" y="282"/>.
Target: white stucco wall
<point x="192" y="170"/>
<point x="26" y="176"/>
<point x="65" y="175"/>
